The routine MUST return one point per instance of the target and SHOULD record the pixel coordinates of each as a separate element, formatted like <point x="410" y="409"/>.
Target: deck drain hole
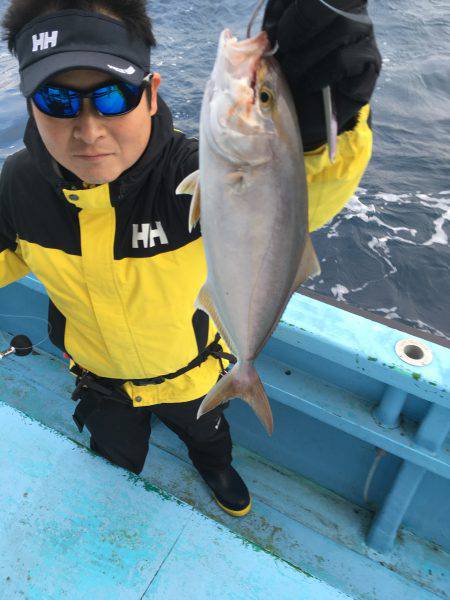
<point x="414" y="352"/>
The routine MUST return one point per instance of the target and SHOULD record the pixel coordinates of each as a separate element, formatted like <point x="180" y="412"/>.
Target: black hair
<point x="132" y="13"/>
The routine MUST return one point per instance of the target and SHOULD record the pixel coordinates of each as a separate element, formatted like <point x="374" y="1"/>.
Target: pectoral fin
<point x="191" y="185"/>
<point x="309" y="264"/>
<point x="194" y="213"/>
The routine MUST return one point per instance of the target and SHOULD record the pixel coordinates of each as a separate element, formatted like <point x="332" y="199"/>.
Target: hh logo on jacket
<point x="147" y="235"/>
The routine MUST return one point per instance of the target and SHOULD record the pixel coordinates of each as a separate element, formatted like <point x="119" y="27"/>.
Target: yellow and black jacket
<point x="118" y="262"/>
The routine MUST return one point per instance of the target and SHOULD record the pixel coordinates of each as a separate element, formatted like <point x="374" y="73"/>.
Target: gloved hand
<point x="318" y="48"/>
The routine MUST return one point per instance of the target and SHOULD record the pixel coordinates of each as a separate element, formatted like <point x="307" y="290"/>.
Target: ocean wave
<point x="388" y="253"/>
<point x="9" y="71"/>
<point x="376" y="208"/>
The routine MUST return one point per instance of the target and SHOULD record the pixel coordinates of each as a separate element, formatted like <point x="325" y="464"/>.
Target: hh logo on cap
<point x="45" y="40"/>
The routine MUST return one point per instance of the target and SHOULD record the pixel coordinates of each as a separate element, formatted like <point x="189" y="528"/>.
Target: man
<point x="89" y="207"/>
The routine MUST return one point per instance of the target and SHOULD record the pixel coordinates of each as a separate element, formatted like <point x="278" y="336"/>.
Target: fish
<point x="250" y="196"/>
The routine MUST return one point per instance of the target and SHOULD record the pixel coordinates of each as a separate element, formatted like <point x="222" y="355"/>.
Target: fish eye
<point x="266" y="98"/>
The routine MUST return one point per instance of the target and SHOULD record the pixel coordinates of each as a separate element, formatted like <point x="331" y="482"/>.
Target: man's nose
<point x="88" y="126"/>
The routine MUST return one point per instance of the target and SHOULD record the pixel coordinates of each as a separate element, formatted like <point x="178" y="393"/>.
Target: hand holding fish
<point x="320" y="48"/>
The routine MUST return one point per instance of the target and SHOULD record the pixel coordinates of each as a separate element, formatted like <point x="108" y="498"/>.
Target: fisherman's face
<point x="97" y="149"/>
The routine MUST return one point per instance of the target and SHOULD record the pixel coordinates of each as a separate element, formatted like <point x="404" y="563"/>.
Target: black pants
<point x="121" y="432"/>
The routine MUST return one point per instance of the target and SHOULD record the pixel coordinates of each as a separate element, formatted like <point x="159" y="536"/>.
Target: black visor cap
<point x="76" y="39"/>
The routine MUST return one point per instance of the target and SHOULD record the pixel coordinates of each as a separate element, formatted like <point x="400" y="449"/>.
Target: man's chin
<point x="98" y="180"/>
<point x="97" y="176"/>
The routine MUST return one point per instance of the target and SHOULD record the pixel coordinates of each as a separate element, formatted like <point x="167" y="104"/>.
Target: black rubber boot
<point x="230" y="492"/>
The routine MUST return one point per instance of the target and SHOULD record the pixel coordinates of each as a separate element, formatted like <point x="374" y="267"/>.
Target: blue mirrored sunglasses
<point x="108" y="99"/>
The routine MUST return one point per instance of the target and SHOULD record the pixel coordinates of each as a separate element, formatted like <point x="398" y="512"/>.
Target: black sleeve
<point x="318" y="48"/>
<point x="12" y="266"/>
<point x="187" y="162"/>
<point x="7" y="233"/>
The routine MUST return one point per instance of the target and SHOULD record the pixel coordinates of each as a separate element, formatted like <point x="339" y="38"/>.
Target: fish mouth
<point x="259" y="42"/>
<point x="236" y="121"/>
<point x="245" y="57"/>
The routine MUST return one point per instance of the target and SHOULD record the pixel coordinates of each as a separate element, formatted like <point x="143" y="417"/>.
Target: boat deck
<point x="74" y="526"/>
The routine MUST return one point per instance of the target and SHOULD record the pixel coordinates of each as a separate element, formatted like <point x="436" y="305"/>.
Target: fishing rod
<point x="254" y="16"/>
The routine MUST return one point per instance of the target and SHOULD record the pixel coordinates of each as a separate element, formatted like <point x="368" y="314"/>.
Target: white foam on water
<point x="339" y="291"/>
<point x="374" y="219"/>
<point x="377" y="211"/>
<point x="380" y="247"/>
<point x="397" y="198"/>
<point x="388" y="313"/>
<point x="418" y="324"/>
<point x="439" y="236"/>
<point x="368" y="213"/>
<point x="392" y="315"/>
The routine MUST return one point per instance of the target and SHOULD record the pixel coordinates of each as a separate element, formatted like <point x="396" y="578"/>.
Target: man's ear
<point x="156" y="81"/>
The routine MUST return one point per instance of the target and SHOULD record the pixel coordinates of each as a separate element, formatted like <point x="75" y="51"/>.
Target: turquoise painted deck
<point x="74" y="526"/>
<point x="307" y="525"/>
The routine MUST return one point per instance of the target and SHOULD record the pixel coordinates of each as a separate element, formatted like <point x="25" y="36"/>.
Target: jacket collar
<point x="128" y="184"/>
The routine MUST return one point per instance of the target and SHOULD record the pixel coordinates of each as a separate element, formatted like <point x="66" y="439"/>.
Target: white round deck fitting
<point x="414" y="352"/>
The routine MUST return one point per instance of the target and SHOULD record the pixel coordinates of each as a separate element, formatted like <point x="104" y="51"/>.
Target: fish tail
<point x="242" y="382"/>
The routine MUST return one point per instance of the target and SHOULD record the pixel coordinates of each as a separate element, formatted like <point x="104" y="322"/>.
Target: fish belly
<point x="253" y="244"/>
